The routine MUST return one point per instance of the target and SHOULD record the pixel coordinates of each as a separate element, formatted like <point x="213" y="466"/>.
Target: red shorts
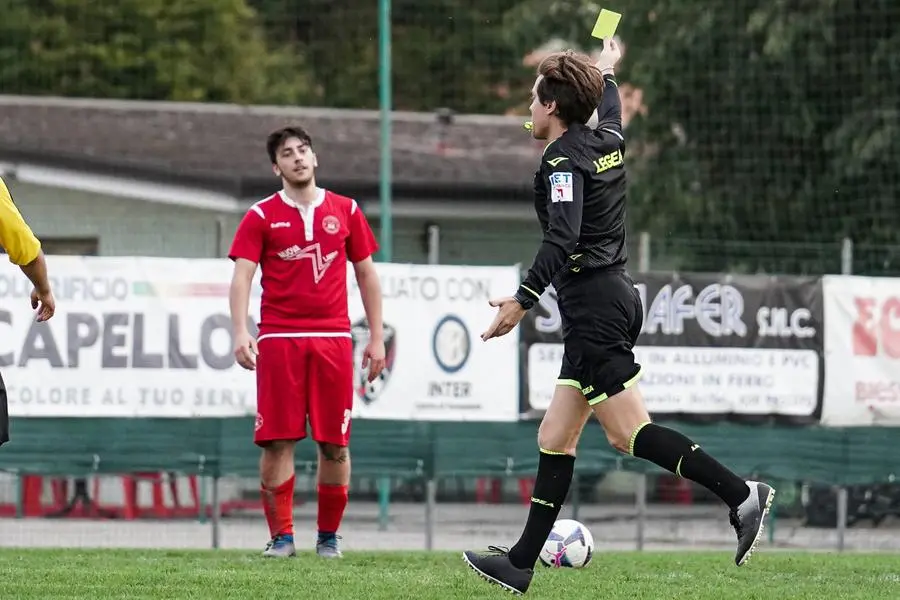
<point x="304" y="377"/>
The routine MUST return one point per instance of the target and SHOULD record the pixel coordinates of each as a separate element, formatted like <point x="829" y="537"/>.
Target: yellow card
<point x="606" y="24"/>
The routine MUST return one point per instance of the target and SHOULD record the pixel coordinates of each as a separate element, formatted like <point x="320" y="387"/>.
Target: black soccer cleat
<point x="495" y="567"/>
<point x="749" y="519"/>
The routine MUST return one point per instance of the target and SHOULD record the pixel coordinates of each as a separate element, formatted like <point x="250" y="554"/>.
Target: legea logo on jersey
<point x="370" y="392"/>
<point x="313" y="252"/>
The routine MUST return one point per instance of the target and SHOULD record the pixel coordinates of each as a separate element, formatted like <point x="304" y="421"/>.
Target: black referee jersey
<point x="579" y="193"/>
<point x="580" y="201"/>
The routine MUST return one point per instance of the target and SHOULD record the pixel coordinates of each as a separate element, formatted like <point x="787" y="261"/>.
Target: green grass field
<point x="106" y="574"/>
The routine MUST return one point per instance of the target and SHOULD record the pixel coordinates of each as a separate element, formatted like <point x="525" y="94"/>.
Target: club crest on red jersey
<point x="331" y="224"/>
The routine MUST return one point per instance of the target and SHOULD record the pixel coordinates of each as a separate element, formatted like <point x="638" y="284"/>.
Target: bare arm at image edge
<point x="17" y="239"/>
<point x="24" y="249"/>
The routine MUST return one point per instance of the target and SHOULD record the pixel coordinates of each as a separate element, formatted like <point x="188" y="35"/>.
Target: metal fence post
<point x="384" y="502"/>
<point x="841" y="517"/>
<point x="385" y="102"/>
<point x="640" y="494"/>
<point x="430" y="473"/>
<point x="576" y="497"/>
<point x="644" y="252"/>
<point x="216" y="510"/>
<point x="430" y="505"/>
<point x="19" y="490"/>
<point x="201" y="477"/>
<point x="434" y="244"/>
<point x="846" y="256"/>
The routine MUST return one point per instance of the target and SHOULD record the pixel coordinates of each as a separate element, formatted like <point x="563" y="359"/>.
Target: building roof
<point x="223" y="146"/>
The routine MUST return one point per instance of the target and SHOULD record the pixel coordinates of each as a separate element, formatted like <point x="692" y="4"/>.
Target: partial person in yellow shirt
<point x="24" y="249"/>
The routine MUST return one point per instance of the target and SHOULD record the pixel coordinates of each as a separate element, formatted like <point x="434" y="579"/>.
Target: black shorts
<point x="4" y="414"/>
<point x="601" y="321"/>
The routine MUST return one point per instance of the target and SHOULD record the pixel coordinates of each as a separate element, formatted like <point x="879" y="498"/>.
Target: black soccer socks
<point x="676" y="453"/>
<point x="551" y="486"/>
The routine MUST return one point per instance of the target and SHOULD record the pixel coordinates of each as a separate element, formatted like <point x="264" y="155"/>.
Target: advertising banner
<point x="862" y="352"/>
<point x="711" y="347"/>
<point x="151" y="337"/>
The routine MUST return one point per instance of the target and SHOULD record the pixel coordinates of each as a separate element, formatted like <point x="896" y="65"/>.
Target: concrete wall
<point x="129" y="227"/>
<point x="123" y="226"/>
<point x="467" y="242"/>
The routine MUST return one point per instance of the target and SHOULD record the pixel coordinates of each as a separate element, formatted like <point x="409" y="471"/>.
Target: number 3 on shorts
<point x="346" y="424"/>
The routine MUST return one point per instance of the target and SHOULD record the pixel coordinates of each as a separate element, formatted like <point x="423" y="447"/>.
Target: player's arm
<point x="564" y="204"/>
<point x="239" y="293"/>
<point x="246" y="252"/>
<point x="370" y="292"/>
<point x="361" y="245"/>
<point x="24" y="249"/>
<point x="20" y="243"/>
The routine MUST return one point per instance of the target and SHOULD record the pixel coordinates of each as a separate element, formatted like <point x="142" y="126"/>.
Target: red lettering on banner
<point x="878" y="392"/>
<point x="890" y="334"/>
<point x="865" y="342"/>
<point x="873" y="326"/>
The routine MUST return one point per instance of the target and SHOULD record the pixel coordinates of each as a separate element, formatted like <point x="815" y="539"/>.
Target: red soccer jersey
<point x="302" y="253"/>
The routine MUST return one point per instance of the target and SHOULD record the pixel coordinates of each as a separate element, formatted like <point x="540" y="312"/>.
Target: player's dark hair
<point x="280" y="136"/>
<point x="573" y="82"/>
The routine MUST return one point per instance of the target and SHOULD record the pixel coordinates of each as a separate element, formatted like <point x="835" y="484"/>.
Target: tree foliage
<point x="773" y="120"/>
<point x="445" y="53"/>
<point x="209" y="50"/>
<point x="766" y="120"/>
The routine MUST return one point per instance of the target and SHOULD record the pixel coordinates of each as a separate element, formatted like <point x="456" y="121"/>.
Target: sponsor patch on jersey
<point x="561" y="187"/>
<point x="331" y="224"/>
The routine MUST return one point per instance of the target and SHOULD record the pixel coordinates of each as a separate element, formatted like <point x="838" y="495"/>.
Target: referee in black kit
<point x="24" y="249"/>
<point x="580" y="191"/>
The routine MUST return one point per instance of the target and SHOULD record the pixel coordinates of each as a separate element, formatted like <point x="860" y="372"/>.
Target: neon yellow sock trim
<point x="634" y="435"/>
<point x="551" y="452"/>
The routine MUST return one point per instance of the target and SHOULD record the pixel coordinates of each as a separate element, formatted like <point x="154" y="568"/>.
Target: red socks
<point x="332" y="502"/>
<point x="278" y="504"/>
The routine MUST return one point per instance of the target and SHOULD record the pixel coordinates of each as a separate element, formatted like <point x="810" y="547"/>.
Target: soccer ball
<point x="570" y="544"/>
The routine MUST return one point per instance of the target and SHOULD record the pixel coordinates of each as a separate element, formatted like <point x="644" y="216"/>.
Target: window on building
<point x="68" y="246"/>
<point x="71" y="246"/>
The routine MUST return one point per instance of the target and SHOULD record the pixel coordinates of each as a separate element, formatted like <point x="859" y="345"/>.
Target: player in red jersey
<point x="302" y="238"/>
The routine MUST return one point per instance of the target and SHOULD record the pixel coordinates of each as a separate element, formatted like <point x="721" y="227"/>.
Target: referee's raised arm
<point x="609" y="112"/>
<point x="24" y="249"/>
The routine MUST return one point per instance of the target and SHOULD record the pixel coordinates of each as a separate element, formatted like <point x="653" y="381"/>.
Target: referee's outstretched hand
<point x="509" y="315"/>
